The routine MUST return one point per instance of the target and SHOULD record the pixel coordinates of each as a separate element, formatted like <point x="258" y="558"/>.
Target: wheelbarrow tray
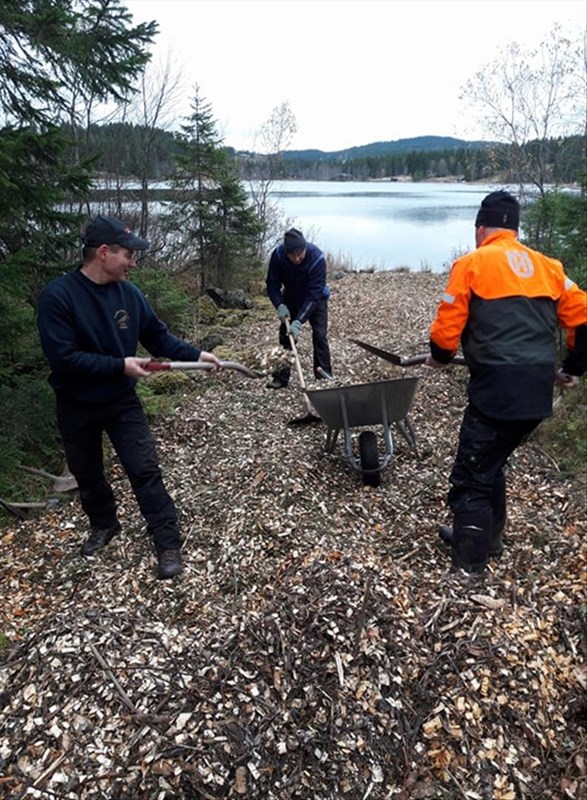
<point x="363" y="405"/>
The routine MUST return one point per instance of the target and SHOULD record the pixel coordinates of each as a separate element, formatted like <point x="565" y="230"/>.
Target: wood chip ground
<point x="317" y="646"/>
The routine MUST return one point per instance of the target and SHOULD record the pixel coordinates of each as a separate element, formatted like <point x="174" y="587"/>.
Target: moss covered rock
<point x="206" y="309"/>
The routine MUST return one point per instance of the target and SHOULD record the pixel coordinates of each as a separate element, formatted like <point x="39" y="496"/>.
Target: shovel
<point x="400" y="361"/>
<point x="60" y="483"/>
<point x="17" y="508"/>
<point x="160" y="366"/>
<point x="309" y="417"/>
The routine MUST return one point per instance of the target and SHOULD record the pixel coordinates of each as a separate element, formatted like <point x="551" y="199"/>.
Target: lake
<point x="384" y="225"/>
<point x="379" y="225"/>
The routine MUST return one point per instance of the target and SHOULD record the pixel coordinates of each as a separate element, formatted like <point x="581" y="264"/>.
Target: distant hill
<point x="418" y="143"/>
<point x="419" y="158"/>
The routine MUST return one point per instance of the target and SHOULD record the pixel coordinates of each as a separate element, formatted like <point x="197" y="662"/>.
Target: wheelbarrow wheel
<point x="369" y="458"/>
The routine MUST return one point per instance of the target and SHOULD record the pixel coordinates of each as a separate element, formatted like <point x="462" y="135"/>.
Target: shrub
<point x="169" y="301"/>
<point x="564" y="435"/>
<point x="28" y="430"/>
<point x="556" y="224"/>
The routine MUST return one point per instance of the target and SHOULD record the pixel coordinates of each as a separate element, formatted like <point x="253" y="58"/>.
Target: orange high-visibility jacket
<point x="503" y="303"/>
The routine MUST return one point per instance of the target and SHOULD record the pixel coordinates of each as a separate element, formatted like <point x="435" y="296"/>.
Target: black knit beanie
<point x="293" y="240"/>
<point x="499" y="210"/>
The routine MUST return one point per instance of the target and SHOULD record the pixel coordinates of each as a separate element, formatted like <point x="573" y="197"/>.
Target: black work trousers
<point x="82" y="426"/>
<point x="318" y="320"/>
<point x="477" y="495"/>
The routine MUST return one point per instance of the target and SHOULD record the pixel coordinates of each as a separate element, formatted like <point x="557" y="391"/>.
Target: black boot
<point x="99" y="538"/>
<point x="279" y="379"/>
<point x="495" y="540"/>
<point x="470" y="541"/>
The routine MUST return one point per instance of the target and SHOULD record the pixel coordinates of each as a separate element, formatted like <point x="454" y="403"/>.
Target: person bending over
<point x="296" y="285"/>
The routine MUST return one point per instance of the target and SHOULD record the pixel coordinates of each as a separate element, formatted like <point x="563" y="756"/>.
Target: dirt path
<point x="316" y="645"/>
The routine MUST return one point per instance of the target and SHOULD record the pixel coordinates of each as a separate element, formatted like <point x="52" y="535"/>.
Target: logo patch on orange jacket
<point x="520" y="263"/>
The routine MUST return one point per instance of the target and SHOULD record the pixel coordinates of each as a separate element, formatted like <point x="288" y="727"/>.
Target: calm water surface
<point x="384" y="225"/>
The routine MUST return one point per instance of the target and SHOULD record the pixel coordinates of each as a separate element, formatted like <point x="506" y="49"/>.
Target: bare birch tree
<point x="273" y="137"/>
<point x="532" y="100"/>
<point x="161" y="87"/>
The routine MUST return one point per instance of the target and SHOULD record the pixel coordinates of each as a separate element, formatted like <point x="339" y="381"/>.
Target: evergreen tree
<point x="48" y="50"/>
<point x="565" y="237"/>
<point x="211" y="222"/>
<point x="54" y="54"/>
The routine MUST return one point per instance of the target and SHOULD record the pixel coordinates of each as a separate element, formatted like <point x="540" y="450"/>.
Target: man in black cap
<point x="503" y="303"/>
<point x="90" y="322"/>
<point x="296" y="285"/>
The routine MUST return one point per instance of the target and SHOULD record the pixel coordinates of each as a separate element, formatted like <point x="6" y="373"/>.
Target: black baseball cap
<point x="109" y="230"/>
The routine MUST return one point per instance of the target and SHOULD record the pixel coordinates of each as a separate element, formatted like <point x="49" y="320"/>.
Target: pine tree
<point x="57" y="58"/>
<point x="53" y="52"/>
<point x="213" y="226"/>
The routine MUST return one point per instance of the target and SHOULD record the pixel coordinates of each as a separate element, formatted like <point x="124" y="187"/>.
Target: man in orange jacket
<point x="502" y="303"/>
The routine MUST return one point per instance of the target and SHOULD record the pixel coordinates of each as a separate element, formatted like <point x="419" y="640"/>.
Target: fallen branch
<point x="104" y="664"/>
<point x="15" y="508"/>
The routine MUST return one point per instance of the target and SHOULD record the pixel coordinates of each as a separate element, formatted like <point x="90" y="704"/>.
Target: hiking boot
<point x="170" y="563"/>
<point x="275" y="383"/>
<point x="99" y="538"/>
<point x="469" y="551"/>
<point x="495" y="543"/>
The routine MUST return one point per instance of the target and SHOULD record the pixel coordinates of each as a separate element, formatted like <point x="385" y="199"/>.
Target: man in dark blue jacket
<point x="296" y="285"/>
<point x="90" y="322"/>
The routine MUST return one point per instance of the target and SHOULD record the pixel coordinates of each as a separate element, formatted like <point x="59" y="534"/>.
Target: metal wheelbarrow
<point x="362" y="405"/>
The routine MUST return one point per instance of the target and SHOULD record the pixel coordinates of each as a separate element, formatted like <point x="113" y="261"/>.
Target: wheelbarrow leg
<point x="331" y="439"/>
<point x="348" y="438"/>
<point x="406" y="429"/>
<point x="387" y="436"/>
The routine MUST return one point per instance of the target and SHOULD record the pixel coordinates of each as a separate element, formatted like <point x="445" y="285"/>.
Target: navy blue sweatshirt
<point x="300" y="286"/>
<point x="88" y="329"/>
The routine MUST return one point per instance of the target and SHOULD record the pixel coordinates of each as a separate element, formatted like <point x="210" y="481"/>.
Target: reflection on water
<point x="383" y="225"/>
<point x="421" y="226"/>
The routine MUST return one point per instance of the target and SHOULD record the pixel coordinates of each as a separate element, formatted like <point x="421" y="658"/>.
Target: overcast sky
<point x="352" y="71"/>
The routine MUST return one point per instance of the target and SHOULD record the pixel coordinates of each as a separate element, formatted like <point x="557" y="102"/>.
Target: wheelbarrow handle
<point x="412" y="361"/>
<point x="162" y="366"/>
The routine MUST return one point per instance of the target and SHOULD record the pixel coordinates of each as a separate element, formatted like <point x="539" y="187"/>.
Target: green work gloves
<point x="295" y="329"/>
<point x="282" y="312"/>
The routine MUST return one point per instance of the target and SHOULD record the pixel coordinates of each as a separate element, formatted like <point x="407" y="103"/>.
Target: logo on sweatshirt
<point x="121" y="319"/>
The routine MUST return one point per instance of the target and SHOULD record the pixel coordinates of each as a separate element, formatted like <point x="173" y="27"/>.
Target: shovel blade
<point x="401" y="361"/>
<point x="378" y="351"/>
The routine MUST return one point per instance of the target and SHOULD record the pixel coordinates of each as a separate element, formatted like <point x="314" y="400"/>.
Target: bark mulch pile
<point x="316" y="645"/>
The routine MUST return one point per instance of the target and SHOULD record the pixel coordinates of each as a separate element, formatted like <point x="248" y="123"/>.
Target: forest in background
<point x="117" y="149"/>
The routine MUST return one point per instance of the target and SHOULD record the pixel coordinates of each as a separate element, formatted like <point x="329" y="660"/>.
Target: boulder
<point x="210" y="341"/>
<point x="229" y="298"/>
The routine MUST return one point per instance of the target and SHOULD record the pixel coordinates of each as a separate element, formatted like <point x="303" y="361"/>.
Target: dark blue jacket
<point x="300" y="286"/>
<point x="88" y="329"/>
